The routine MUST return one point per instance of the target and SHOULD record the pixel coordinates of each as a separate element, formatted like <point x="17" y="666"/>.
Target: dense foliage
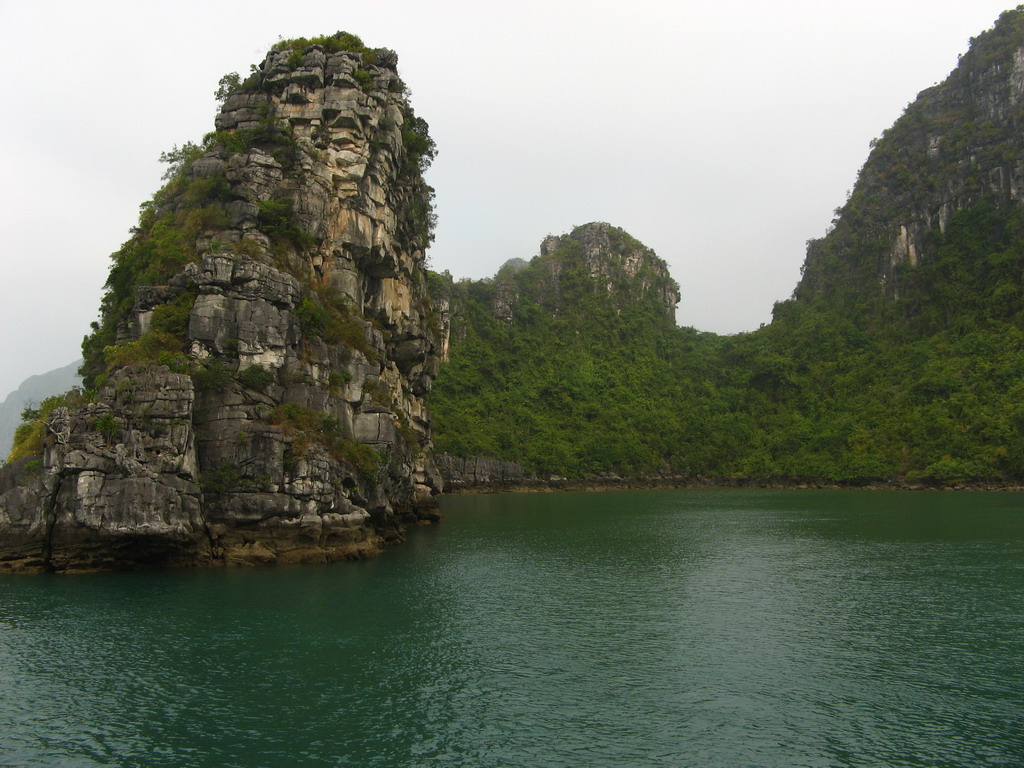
<point x="31" y="434"/>
<point x="901" y="355"/>
<point x="582" y="389"/>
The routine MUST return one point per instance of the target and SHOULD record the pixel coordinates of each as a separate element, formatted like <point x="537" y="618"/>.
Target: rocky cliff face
<point x="475" y="473"/>
<point x="624" y="267"/>
<point x="959" y="143"/>
<point x="258" y="377"/>
<point x="617" y="267"/>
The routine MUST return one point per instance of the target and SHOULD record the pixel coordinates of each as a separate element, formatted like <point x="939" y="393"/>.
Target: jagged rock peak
<point x="959" y="143"/>
<point x="341" y="117"/>
<point x="258" y="380"/>
<point x="614" y="260"/>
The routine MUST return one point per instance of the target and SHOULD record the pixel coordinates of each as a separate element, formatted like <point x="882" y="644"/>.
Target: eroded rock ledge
<point x="166" y="469"/>
<point x="265" y="348"/>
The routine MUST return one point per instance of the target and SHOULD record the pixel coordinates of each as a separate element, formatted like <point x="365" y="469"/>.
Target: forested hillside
<point x="899" y="357"/>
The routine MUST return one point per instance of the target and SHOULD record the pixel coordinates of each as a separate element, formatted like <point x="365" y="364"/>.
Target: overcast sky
<point x="721" y="134"/>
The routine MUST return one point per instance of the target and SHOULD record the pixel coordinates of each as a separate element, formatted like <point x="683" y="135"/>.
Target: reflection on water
<point x="670" y="628"/>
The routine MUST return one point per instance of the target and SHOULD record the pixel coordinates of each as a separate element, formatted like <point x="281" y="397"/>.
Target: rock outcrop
<point x="959" y="143"/>
<point x="475" y="473"/>
<point x="259" y="375"/>
<point x="615" y="264"/>
<point x="549" y="359"/>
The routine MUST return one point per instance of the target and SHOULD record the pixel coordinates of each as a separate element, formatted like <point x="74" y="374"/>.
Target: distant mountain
<point x="32" y="391"/>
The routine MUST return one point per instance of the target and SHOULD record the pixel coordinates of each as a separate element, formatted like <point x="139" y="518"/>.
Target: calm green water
<point x="669" y="628"/>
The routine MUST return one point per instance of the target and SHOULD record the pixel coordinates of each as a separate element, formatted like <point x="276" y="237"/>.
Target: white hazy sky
<point x="721" y="134"/>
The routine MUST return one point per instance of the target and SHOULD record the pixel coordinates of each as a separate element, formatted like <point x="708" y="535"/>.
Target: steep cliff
<point x="257" y="381"/>
<point x="928" y="190"/>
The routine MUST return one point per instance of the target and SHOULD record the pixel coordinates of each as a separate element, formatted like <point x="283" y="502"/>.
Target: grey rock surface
<point x="474" y="472"/>
<point x="285" y="435"/>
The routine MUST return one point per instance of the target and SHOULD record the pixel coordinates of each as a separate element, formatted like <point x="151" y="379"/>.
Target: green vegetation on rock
<point x="305" y="427"/>
<point x="336" y="43"/>
<point x="900" y="357"/>
<point x="573" y="386"/>
<point x="30" y="437"/>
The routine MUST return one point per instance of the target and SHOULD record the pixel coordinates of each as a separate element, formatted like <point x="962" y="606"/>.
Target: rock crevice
<point x="265" y="401"/>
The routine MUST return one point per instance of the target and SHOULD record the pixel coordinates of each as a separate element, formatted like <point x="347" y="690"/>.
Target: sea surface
<point x="650" y="628"/>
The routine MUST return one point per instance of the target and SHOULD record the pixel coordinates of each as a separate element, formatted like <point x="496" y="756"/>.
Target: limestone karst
<point x="260" y="369"/>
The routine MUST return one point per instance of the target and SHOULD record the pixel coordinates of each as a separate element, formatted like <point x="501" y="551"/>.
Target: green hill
<point x="899" y="357"/>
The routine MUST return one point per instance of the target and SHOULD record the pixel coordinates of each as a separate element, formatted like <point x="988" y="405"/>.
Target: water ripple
<point x="647" y="629"/>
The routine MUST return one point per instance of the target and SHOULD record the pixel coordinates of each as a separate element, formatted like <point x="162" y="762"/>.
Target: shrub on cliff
<point x="336" y="43"/>
<point x="305" y="426"/>
<point x="30" y="436"/>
